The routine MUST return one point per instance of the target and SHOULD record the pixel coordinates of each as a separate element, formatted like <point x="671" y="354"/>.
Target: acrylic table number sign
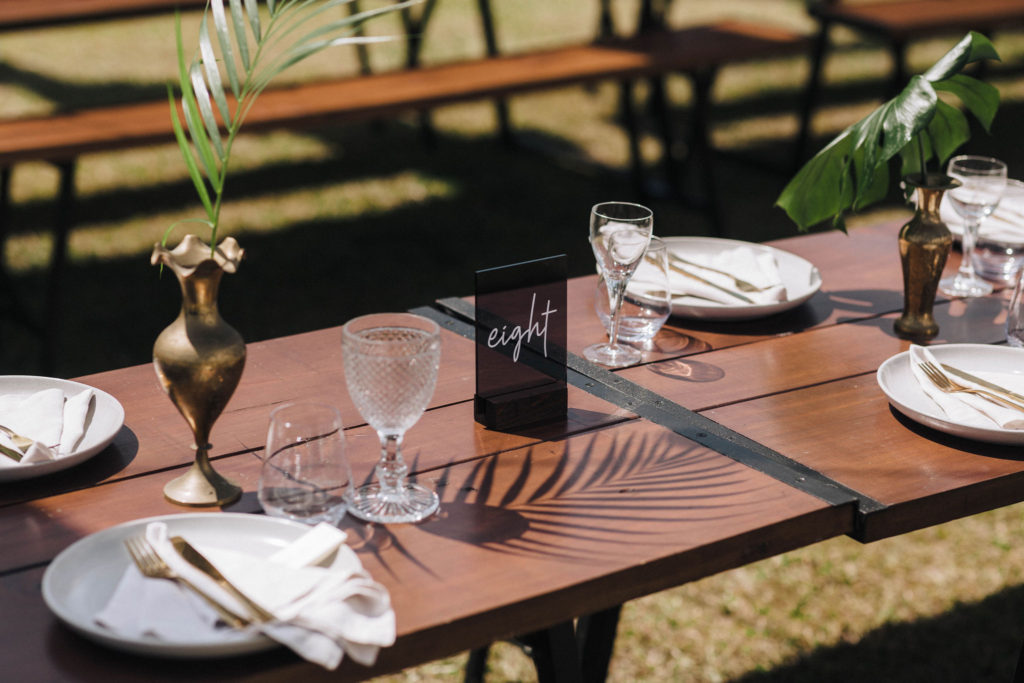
<point x="521" y="344"/>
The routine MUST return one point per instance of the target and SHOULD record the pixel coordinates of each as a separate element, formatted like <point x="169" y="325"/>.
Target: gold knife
<point x="725" y="290"/>
<point x="196" y="559"/>
<point x="983" y="383"/>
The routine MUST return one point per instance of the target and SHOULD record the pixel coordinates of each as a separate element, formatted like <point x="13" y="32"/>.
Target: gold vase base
<point x="197" y="488"/>
<point x="915" y="328"/>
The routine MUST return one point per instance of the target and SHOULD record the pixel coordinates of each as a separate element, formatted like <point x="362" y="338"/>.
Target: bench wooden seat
<point x="65" y="136"/>
<point x="912" y="19"/>
<point x="23" y="14"/>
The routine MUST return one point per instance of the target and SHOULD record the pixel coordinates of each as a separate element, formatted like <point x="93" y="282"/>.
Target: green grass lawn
<point x="362" y="218"/>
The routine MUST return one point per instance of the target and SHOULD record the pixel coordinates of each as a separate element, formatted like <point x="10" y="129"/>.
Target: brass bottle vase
<point x="925" y="243"/>
<point x="199" y="359"/>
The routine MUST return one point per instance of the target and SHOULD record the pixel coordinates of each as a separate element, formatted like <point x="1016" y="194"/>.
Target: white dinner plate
<point x="905" y="394"/>
<point x="799" y="276"/>
<point x="81" y="579"/>
<point x="102" y="423"/>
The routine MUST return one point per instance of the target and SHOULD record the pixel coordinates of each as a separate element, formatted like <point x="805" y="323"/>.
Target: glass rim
<point x="348" y="332"/>
<point x="300" y="403"/>
<point x="995" y="166"/>
<point x="646" y="212"/>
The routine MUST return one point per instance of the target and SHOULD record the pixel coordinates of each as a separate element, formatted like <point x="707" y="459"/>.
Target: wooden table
<point x="637" y="491"/>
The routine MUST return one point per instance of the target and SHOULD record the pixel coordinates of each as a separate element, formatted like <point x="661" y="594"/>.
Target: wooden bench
<point x="897" y="23"/>
<point x="25" y="14"/>
<point x="61" y="138"/>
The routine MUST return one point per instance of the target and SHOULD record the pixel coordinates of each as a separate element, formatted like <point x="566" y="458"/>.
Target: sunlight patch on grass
<point x="268" y="213"/>
<point x="138" y="168"/>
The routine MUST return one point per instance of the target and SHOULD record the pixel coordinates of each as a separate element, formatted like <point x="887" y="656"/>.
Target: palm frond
<point x="246" y="48"/>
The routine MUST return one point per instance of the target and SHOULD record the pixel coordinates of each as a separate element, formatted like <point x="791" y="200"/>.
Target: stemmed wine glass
<point x="619" y="234"/>
<point x="391" y="362"/>
<point x="982" y="181"/>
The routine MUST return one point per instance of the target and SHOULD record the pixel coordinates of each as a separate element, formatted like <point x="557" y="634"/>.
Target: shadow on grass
<point x="974" y="642"/>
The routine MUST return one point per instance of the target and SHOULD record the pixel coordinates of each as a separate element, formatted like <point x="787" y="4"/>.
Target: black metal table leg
<point x="554" y="654"/>
<point x="595" y="638"/>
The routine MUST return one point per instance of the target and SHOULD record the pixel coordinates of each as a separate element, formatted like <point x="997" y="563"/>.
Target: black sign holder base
<point x="523" y="408"/>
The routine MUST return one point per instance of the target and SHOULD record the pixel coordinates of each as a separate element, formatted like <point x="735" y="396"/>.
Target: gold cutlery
<point x="741" y="285"/>
<point x="711" y="284"/>
<point x="946" y="385"/>
<point x="196" y="559"/>
<point x="153" y="566"/>
<point x="20" y="442"/>
<point x="980" y="382"/>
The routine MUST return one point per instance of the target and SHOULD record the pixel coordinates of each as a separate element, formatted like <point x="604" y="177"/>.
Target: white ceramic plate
<point x="799" y="276"/>
<point x="103" y="422"/>
<point x="81" y="579"/>
<point x="905" y="394"/>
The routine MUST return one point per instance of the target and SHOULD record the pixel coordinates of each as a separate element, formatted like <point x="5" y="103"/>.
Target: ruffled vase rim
<point x="192" y="252"/>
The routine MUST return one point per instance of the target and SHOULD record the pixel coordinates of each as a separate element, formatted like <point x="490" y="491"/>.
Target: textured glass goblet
<point x="619" y="235"/>
<point x="391" y="362"/>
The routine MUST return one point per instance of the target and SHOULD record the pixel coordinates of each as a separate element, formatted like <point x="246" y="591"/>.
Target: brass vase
<point x="199" y="359"/>
<point x="925" y="243"/>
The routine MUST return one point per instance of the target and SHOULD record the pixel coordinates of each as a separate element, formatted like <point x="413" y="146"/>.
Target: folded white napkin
<point x="1006" y="224"/>
<point x="54" y="421"/>
<point x="323" y="612"/>
<point x="755" y="266"/>
<point x="965" y="409"/>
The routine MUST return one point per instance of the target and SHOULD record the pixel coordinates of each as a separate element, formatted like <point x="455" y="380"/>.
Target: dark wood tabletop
<point x="731" y="443"/>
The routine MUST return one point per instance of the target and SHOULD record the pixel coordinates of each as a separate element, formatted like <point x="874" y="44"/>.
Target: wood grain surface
<point x="524" y="539"/>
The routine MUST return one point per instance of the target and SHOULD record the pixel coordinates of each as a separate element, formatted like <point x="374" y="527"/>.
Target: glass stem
<point x="391" y="469"/>
<point x="616" y="291"/>
<point x="970" y="237"/>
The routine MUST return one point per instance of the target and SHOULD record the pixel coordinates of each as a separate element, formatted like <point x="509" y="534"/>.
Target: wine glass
<point x="305" y="475"/>
<point x="391" y="362"/>
<point x="619" y="235"/>
<point x="982" y="181"/>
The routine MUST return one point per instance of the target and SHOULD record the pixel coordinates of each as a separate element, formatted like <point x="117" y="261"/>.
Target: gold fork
<point x="945" y="384"/>
<point x="20" y="442"/>
<point x="153" y="566"/>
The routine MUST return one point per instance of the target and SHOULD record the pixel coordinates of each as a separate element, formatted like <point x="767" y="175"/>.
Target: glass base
<point x="612" y="356"/>
<point x="964" y="287"/>
<point x="411" y="503"/>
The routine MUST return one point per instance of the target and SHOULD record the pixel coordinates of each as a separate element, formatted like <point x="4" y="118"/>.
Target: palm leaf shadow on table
<point x="561" y="506"/>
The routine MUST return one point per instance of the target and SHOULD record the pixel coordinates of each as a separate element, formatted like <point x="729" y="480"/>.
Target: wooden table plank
<point x="740" y="373"/>
<point x="922" y="476"/>
<point x="524" y="540"/>
<point x="443" y="437"/>
<point x="301" y="367"/>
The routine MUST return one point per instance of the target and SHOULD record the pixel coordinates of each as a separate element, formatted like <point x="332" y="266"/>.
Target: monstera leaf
<point x="852" y="171"/>
<point x="246" y="47"/>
